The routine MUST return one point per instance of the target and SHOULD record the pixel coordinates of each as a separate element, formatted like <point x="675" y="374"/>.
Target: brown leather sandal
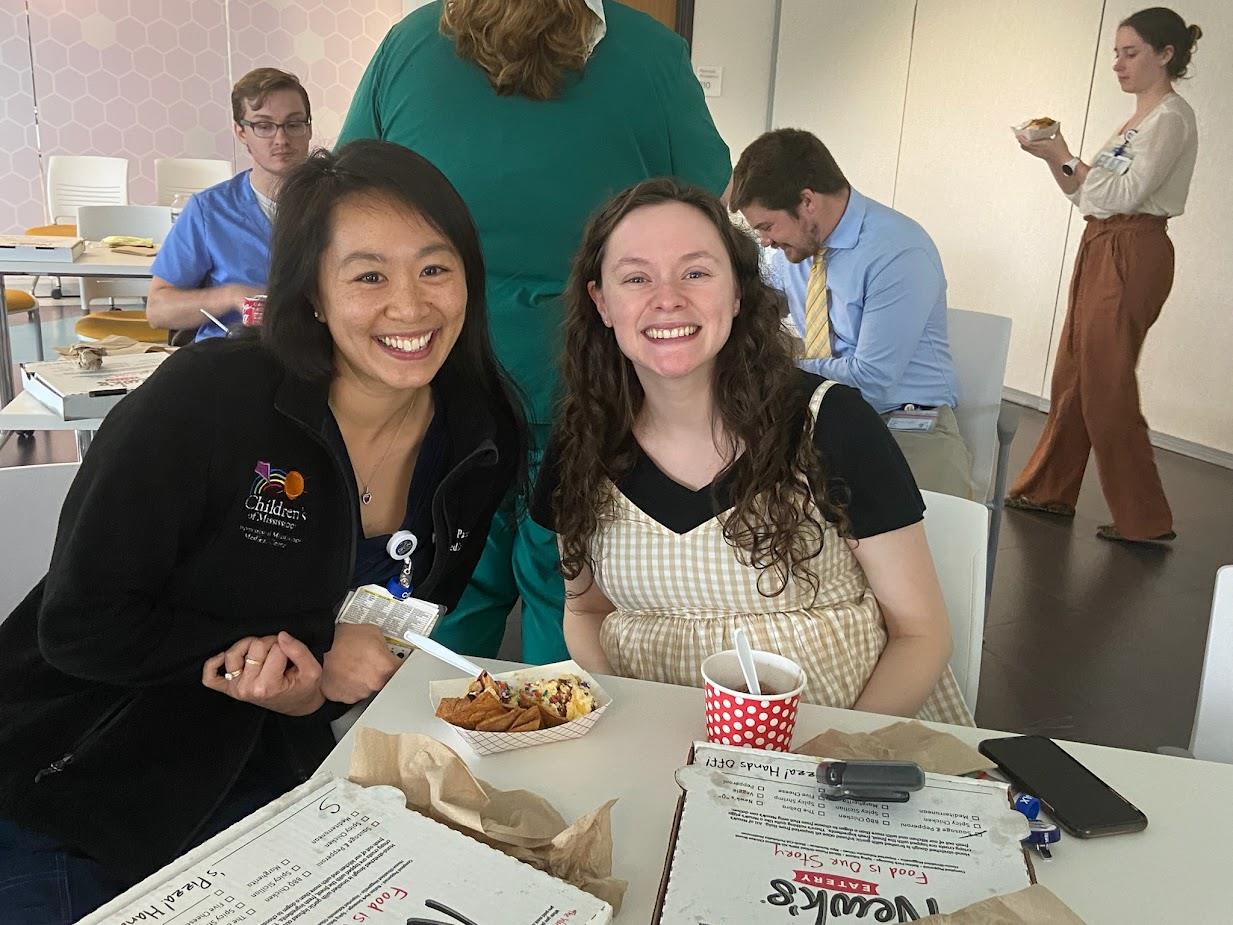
<point x="1111" y="532"/>
<point x="1024" y="503"/>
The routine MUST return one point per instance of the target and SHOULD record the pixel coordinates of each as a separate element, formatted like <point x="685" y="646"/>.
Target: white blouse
<point x="1163" y="149"/>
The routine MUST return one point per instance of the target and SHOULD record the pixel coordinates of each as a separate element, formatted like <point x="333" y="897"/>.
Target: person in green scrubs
<point x="537" y="112"/>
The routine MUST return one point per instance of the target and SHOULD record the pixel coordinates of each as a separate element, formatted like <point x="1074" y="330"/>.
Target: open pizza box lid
<point x="334" y="851"/>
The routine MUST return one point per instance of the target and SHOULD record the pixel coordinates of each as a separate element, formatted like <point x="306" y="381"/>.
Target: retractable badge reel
<point x="1041" y="834"/>
<point x="401" y="547"/>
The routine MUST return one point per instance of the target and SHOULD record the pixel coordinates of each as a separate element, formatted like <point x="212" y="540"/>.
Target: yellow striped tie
<point x="817" y="311"/>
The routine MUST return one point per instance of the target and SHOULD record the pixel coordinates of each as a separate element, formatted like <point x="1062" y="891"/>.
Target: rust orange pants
<point x="1123" y="274"/>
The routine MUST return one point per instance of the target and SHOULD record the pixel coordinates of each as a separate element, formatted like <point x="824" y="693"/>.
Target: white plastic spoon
<point x="436" y="650"/>
<point x="745" y="656"/>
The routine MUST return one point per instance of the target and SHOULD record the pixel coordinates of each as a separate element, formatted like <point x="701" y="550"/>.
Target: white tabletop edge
<point x="633" y="752"/>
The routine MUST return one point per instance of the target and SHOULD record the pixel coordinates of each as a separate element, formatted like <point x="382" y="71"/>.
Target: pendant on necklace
<point x="367" y="496"/>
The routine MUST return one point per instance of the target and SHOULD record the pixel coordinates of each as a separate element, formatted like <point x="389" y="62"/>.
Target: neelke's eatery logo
<point x="818" y="898"/>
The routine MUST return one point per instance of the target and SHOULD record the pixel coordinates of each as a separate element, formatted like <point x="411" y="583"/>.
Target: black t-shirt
<point x="865" y="473"/>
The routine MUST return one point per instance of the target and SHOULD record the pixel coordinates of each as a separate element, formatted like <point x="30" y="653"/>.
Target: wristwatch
<point x="1069" y="167"/>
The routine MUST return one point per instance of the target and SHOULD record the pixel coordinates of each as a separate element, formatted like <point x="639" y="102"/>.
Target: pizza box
<point x="331" y="851"/>
<point x="80" y="394"/>
<point x="753" y="842"/>
<point x="27" y="248"/>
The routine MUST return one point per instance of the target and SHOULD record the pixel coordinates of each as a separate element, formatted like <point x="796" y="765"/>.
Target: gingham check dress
<point x="680" y="597"/>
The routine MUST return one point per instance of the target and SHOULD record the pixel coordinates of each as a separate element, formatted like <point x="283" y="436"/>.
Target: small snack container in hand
<point x="736" y="717"/>
<point x="1037" y="129"/>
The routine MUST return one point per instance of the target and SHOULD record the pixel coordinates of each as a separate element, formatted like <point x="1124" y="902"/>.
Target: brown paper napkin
<point x="1033" y="906"/>
<point x="437" y="783"/>
<point x="935" y="752"/>
<point x="118" y="345"/>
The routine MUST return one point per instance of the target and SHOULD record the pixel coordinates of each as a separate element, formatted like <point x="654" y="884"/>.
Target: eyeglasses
<point x="296" y="128"/>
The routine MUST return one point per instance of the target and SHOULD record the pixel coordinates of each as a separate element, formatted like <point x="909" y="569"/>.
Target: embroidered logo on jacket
<point x="273" y="481"/>
<point x="273" y="515"/>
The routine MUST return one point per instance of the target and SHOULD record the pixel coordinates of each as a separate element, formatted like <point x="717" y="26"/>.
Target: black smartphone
<point x="1078" y="800"/>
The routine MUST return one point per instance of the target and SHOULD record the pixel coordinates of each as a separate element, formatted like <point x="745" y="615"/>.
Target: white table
<point x="1177" y="870"/>
<point x="25" y="412"/>
<point x="96" y="262"/>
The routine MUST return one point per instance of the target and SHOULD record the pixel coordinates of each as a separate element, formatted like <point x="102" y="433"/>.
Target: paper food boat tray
<point x="1036" y="134"/>
<point x="492" y="743"/>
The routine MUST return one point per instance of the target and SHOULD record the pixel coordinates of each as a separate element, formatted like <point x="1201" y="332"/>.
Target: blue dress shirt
<point x="221" y="237"/>
<point x="888" y="308"/>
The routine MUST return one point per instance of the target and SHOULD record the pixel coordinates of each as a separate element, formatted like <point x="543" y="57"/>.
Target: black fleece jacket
<point x="209" y="508"/>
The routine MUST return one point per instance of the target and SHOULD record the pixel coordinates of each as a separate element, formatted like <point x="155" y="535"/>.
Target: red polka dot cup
<point x="736" y="717"/>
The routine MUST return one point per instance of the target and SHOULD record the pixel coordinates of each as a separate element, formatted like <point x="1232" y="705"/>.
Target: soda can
<point x="252" y="310"/>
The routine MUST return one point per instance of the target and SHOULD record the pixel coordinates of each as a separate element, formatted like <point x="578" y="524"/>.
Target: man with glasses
<point x="218" y="252"/>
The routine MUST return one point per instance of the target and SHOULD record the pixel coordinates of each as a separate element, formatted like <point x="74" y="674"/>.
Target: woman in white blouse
<point x="1123" y="274"/>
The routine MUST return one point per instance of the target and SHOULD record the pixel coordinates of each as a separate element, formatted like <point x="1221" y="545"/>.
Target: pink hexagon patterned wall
<point x="20" y="183"/>
<point x="145" y="79"/>
<point x="326" y="43"/>
<point x="140" y="79"/>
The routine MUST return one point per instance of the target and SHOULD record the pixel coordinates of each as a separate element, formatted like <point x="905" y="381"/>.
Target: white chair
<point x="187" y="175"/>
<point x="97" y="222"/>
<point x="1212" y="738"/>
<point x="84" y="181"/>
<point x="979" y="344"/>
<point x="958" y="533"/>
<point x="31" y="497"/>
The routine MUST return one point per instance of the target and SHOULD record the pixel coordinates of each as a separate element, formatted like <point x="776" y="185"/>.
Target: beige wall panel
<point x="979" y="66"/>
<point x="737" y="35"/>
<point x="841" y="73"/>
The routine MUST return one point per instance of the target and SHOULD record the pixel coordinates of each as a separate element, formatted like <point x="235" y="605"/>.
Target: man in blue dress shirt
<point x="877" y="321"/>
<point x="218" y="252"/>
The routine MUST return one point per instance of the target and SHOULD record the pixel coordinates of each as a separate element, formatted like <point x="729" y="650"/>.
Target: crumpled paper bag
<point x="116" y="345"/>
<point x="437" y="783"/>
<point x="935" y="752"/>
<point x="1033" y="906"/>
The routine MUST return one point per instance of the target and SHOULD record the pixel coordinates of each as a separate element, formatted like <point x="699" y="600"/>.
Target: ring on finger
<point x="232" y="675"/>
<point x="251" y="661"/>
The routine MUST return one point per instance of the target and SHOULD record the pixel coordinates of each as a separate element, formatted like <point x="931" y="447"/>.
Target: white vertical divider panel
<point x="842" y="69"/>
<point x="738" y="36"/>
<point x="979" y="66"/>
<point x="1185" y="367"/>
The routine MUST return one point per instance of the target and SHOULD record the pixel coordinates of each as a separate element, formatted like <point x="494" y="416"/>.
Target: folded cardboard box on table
<point x="332" y="851"/>
<point x="754" y="842"/>
<point x="81" y="394"/>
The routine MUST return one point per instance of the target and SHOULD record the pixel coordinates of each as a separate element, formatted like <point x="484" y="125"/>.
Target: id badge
<point x="375" y="605"/>
<point x="1117" y="164"/>
<point x="914" y="420"/>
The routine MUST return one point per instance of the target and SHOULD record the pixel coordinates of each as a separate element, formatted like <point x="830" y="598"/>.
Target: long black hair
<point x="303" y="226"/>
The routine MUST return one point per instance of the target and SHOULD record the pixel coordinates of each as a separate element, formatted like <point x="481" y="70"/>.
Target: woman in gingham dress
<point x="699" y="482"/>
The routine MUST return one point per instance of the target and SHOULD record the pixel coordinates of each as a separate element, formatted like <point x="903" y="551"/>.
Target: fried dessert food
<point x="1042" y="122"/>
<point x="490" y="705"/>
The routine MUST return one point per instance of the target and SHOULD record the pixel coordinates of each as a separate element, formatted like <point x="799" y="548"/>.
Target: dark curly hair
<point x="775" y="470"/>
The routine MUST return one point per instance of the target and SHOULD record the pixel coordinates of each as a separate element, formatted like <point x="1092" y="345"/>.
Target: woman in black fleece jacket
<point x="179" y="664"/>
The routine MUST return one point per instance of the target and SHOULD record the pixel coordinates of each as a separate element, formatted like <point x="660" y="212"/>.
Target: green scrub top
<point x="532" y="172"/>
